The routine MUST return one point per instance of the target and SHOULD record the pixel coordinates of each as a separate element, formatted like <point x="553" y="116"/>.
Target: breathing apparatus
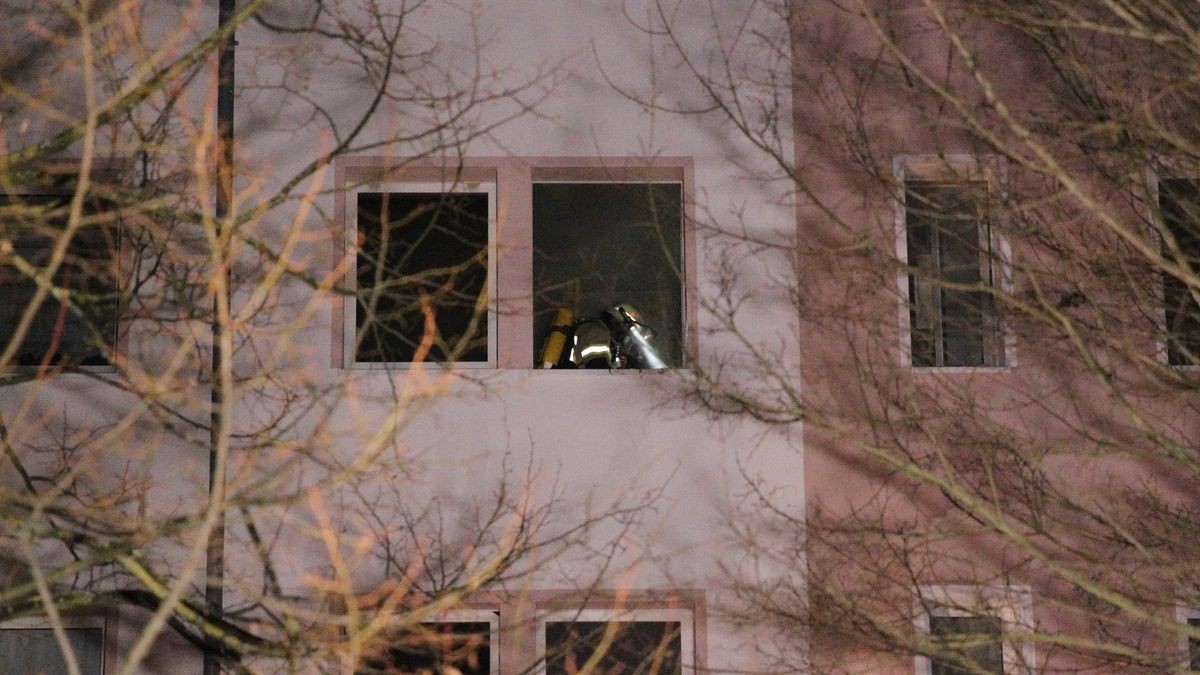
<point x="615" y="339"/>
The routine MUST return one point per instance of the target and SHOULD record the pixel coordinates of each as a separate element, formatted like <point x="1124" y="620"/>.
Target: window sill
<point x="965" y="370"/>
<point x="486" y="368"/>
<point x="58" y="371"/>
<point x="605" y="371"/>
<point x="401" y="366"/>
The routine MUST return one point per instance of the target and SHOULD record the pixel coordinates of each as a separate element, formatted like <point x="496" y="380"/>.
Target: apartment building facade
<point x="971" y="245"/>
<point x="420" y="189"/>
<point x="996" y="330"/>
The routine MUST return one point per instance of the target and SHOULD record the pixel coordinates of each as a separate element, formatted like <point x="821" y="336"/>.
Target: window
<point x="598" y="246"/>
<point x="29" y="646"/>
<point x="76" y="325"/>
<point x="493" y="249"/>
<point x="974" y="630"/>
<point x="1189" y="646"/>
<point x="1179" y="204"/>
<point x="464" y="641"/>
<point x="423" y="270"/>
<point x="974" y="641"/>
<point x="951" y="273"/>
<point x="635" y="642"/>
<point x="1193" y="645"/>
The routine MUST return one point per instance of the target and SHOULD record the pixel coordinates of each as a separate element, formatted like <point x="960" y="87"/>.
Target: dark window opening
<point x="600" y="245"/>
<point x="1179" y="201"/>
<point x="1194" y="646"/>
<point x="78" y="327"/>
<point x="419" y="253"/>
<point x="35" y="650"/>
<point x="462" y="645"/>
<point x="971" y="644"/>
<point x="952" y="313"/>
<point x="626" y="647"/>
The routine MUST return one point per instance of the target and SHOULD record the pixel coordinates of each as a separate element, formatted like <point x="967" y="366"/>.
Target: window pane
<point x="80" y="328"/>
<point x="34" y="650"/>
<point x="1179" y="200"/>
<point x="1194" y="647"/>
<point x="924" y="300"/>
<point x="952" y="323"/>
<point x="626" y="647"/>
<point x="415" y="250"/>
<point x="976" y="638"/>
<point x="464" y="645"/>
<point x="598" y="245"/>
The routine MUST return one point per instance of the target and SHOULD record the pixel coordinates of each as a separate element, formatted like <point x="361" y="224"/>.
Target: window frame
<point x="475" y="615"/>
<point x="1154" y="178"/>
<point x="561" y="177"/>
<point x="1012" y="605"/>
<point x="101" y="619"/>
<point x="349" y="340"/>
<point x="953" y="169"/>
<point x="512" y="177"/>
<point x="685" y="616"/>
<point x="116" y="261"/>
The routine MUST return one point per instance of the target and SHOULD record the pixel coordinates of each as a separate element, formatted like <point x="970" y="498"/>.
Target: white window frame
<point x="1153" y="211"/>
<point x="685" y="617"/>
<point x="350" y="306"/>
<point x="684" y="333"/>
<point x="1013" y="605"/>
<point x="108" y="661"/>
<point x="989" y="169"/>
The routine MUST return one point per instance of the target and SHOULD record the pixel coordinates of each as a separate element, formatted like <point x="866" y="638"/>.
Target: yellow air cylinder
<point x="552" y="348"/>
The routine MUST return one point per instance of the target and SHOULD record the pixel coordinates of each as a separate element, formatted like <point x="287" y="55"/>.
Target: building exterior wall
<point x="898" y="458"/>
<point x="589" y="441"/>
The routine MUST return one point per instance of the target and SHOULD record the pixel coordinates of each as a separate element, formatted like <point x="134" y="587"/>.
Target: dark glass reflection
<point x="976" y="639"/>
<point x="79" y="327"/>
<point x="625" y="647"/>
<point x="420" y="250"/>
<point x="463" y="645"/>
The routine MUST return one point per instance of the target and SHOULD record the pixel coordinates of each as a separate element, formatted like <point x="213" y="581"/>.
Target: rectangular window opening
<point x="423" y="272"/>
<point x="467" y="647"/>
<point x="1193" y="645"/>
<point x="646" y="642"/>
<point x="1179" y="204"/>
<point x="35" y="650"/>
<point x="77" y="324"/>
<point x="607" y="275"/>
<point x="952" y="276"/>
<point x="972" y="644"/>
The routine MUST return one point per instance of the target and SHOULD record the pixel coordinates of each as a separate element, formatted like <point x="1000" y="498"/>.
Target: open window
<point x="643" y="641"/>
<point x="74" y="324"/>
<point x="30" y="646"/>
<point x="607" y="272"/>
<point x="422" y="270"/>
<point x="463" y="641"/>
<point x="471" y="260"/>
<point x="1179" y="206"/>
<point x="974" y="630"/>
